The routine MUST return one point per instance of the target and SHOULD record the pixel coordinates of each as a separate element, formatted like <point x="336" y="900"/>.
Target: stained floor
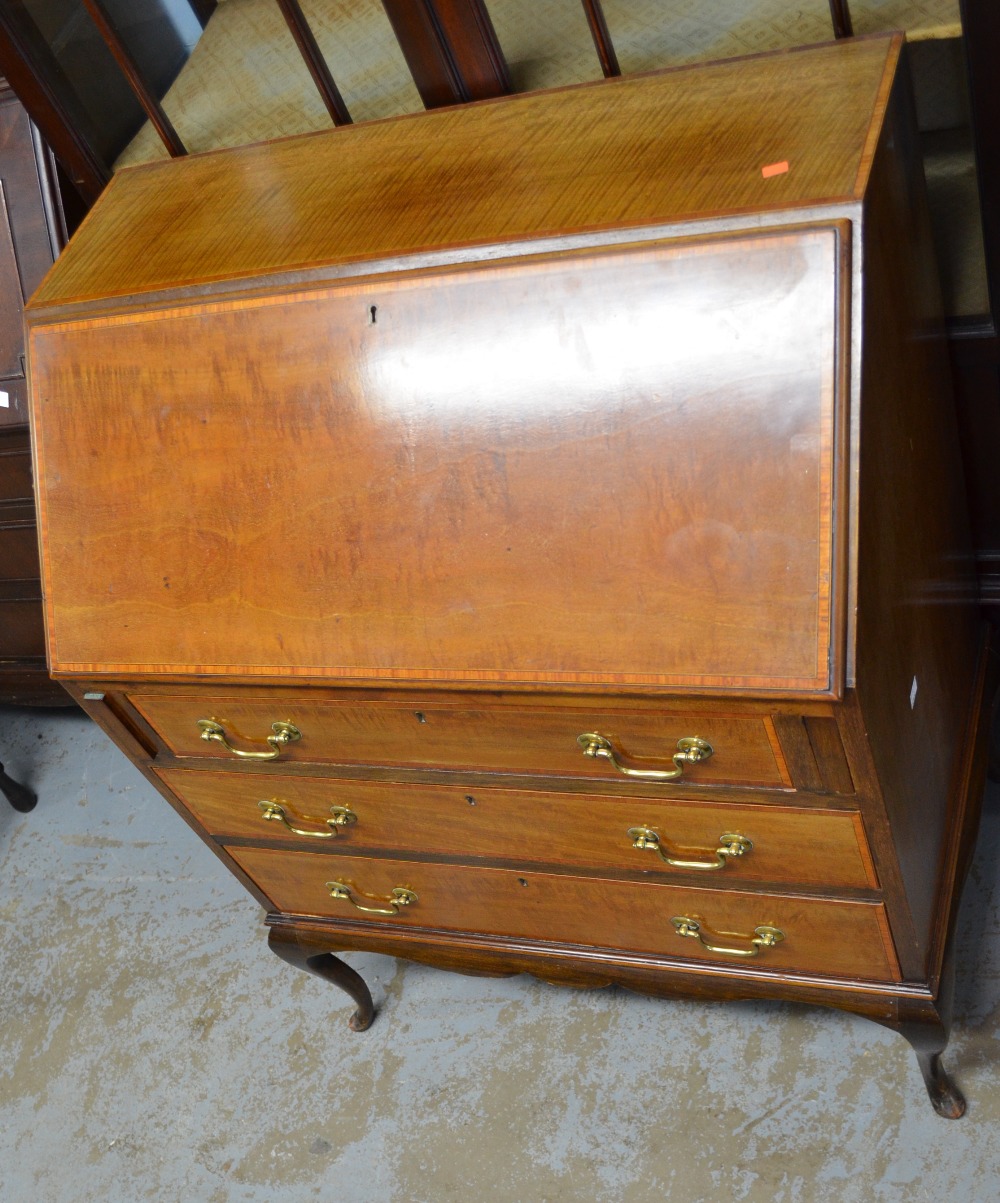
<point x="151" y="1048"/>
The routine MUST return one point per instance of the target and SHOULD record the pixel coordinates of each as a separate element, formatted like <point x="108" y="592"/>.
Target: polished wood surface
<point x="630" y="153"/>
<point x="66" y="74"/>
<point x="798" y="847"/>
<point x="839" y="938"/>
<point x="447" y="510"/>
<point x="720" y="454"/>
<point x="15" y="468"/>
<point x="510" y="739"/>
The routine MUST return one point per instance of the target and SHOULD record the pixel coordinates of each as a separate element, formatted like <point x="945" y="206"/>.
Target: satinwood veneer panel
<point x="504" y="474"/>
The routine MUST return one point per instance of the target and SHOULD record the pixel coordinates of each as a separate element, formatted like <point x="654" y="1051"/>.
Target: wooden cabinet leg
<point x="926" y="1026"/>
<point x="288" y="946"/>
<point x="946" y="1098"/>
<point x="19" y="796"/>
<point x="929" y="1039"/>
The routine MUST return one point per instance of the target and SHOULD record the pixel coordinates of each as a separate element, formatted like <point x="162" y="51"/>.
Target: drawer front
<point x="15" y="469"/>
<point x="18" y="545"/>
<point x="818" y="848"/>
<point x="840" y="939"/>
<point x="494" y="739"/>
<point x="21" y="628"/>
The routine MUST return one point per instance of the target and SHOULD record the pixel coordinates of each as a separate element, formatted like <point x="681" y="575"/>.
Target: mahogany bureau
<point x="530" y="537"/>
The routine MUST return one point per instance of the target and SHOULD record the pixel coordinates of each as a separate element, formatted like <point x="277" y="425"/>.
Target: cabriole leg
<point x="325" y="965"/>
<point x="946" y="1098"/>
<point x="929" y="1040"/>
<point x="927" y="1026"/>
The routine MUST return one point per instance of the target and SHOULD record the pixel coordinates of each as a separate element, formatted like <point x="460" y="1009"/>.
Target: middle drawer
<point x="780" y="844"/>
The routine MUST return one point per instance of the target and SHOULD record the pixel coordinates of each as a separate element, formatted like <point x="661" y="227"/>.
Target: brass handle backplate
<point x="277" y="811"/>
<point x="764" y="936"/>
<point x="730" y="847"/>
<point x="281" y="735"/>
<point x="690" y="750"/>
<point x="399" y="897"/>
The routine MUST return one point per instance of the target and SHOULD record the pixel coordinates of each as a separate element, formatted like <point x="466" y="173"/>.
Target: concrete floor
<point x="153" y="1049"/>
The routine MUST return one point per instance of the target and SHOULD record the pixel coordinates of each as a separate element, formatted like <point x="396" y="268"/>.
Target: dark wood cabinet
<point x="31" y="233"/>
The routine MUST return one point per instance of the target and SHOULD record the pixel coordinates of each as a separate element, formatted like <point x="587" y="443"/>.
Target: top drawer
<point x="510" y="739"/>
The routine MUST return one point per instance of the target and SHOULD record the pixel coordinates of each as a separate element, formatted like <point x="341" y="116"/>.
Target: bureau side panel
<point x="603" y="469"/>
<point x="918" y="619"/>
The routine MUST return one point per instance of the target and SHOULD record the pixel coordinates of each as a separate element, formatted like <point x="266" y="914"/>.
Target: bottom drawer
<point x="828" y="937"/>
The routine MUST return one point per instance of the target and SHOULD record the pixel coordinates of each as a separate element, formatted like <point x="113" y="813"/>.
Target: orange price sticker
<point x="774" y="169"/>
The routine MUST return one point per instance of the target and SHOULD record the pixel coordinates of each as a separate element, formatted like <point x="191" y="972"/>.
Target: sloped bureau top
<point x="626" y="153"/>
<point x="569" y="463"/>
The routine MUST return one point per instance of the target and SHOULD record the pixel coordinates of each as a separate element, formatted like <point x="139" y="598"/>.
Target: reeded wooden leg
<point x="19" y="796"/>
<point x="287" y="945"/>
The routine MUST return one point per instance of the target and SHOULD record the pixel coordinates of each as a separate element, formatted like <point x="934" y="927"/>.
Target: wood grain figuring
<point x="470" y="736"/>
<point x="629" y="153"/>
<point x="448" y="509"/>
<point x="817" y="848"/>
<point x="797" y="752"/>
<point x="842" y="939"/>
